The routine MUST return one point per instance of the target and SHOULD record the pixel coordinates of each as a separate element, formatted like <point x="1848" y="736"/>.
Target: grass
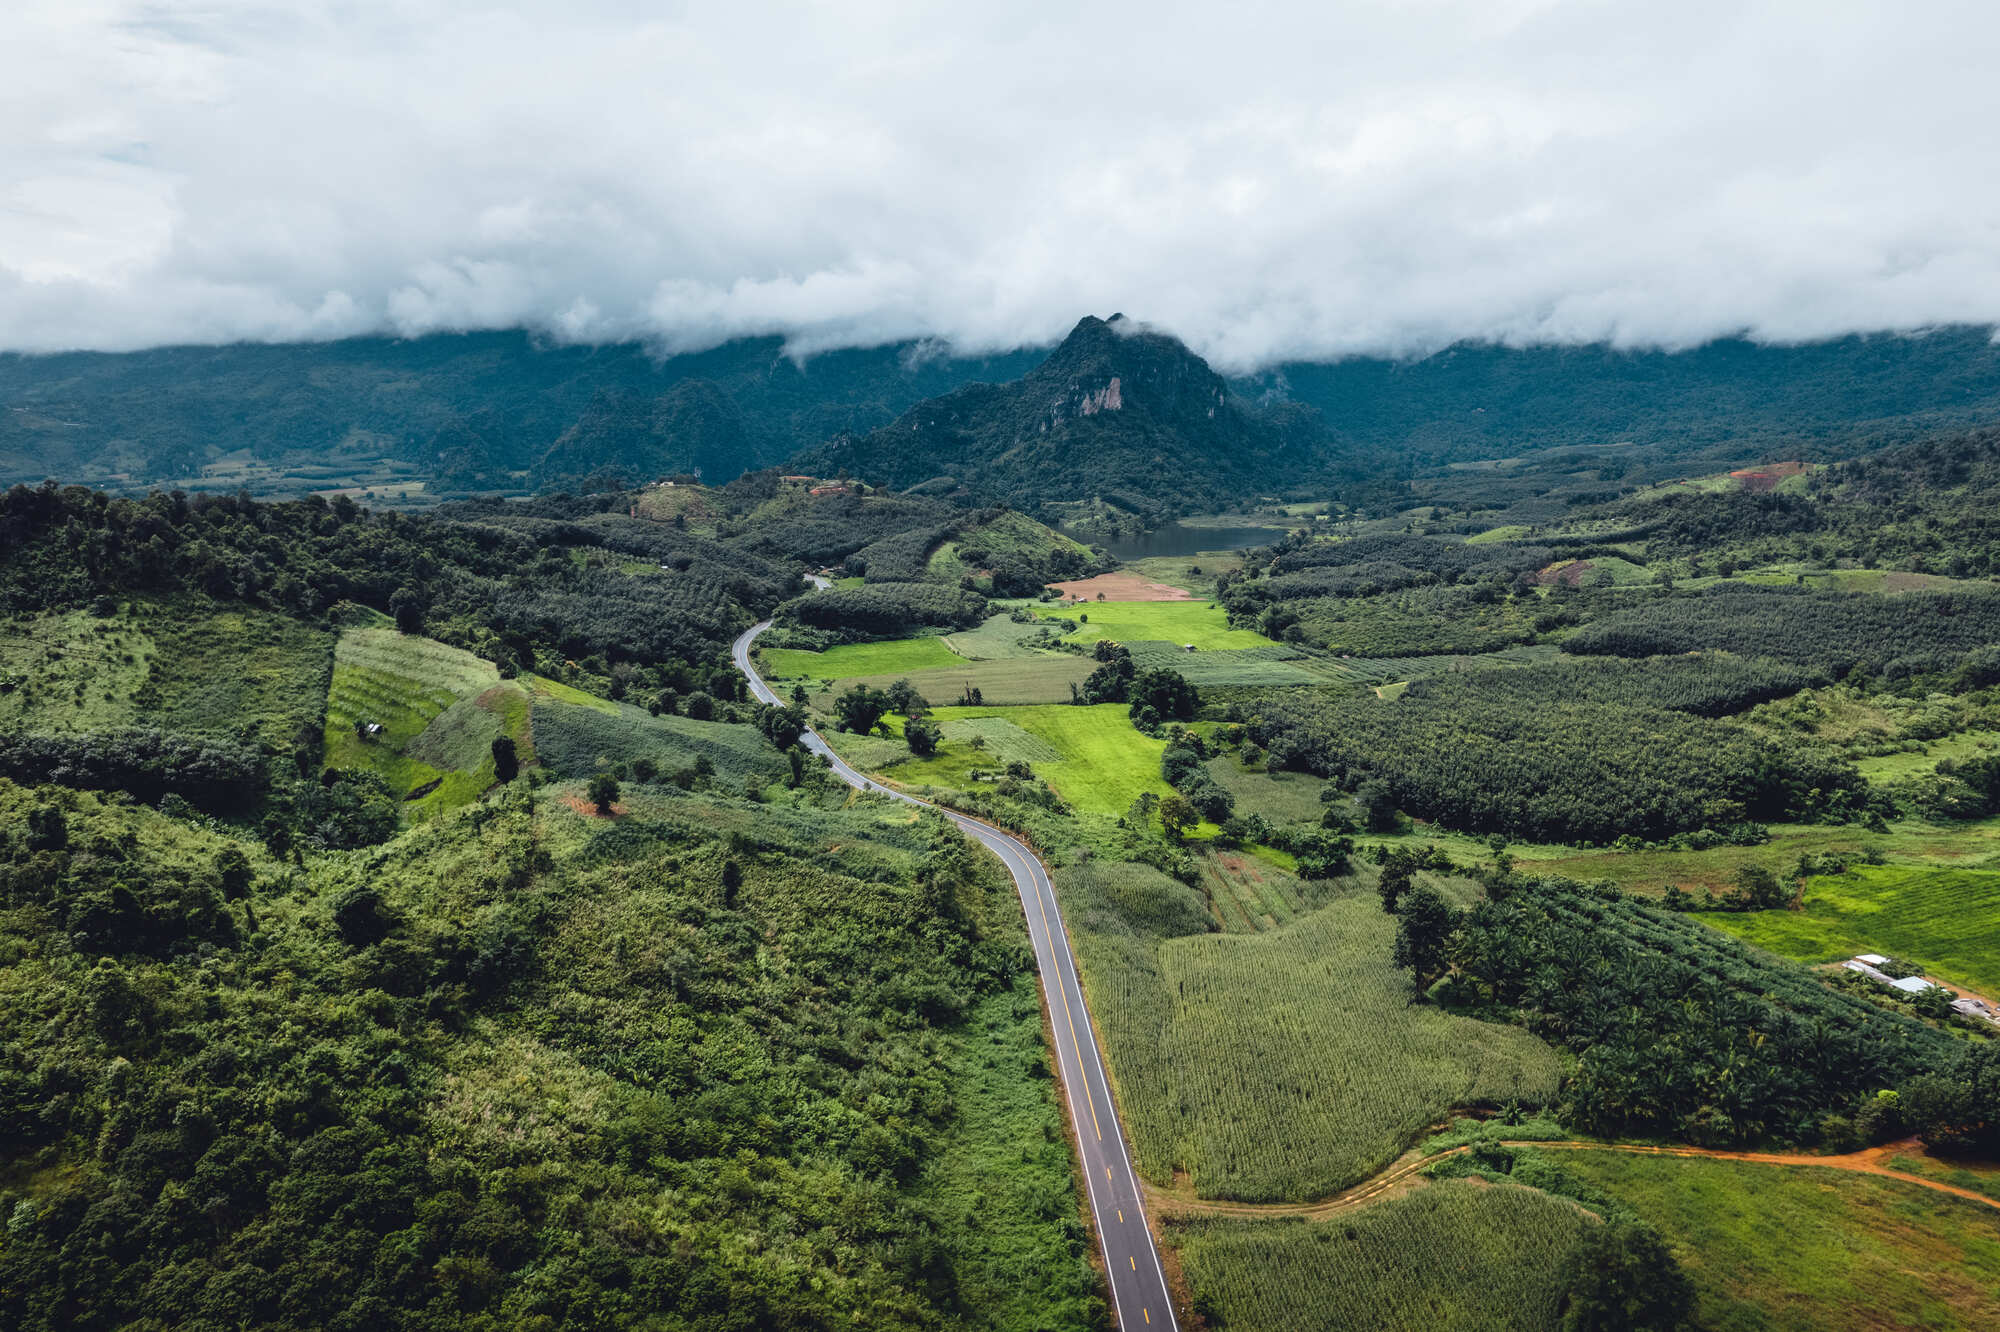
<point x="1281" y="797"/>
<point x="251" y="675"/>
<point x="1926" y="756"/>
<point x="1281" y="1066"/>
<point x="1453" y="1257"/>
<point x="900" y="656"/>
<point x="1793" y="1247"/>
<point x="1509" y="532"/>
<point x="1945" y="919"/>
<point x="1195" y="622"/>
<point x="1044" y="679"/>
<point x="406" y="684"/>
<point x="1103" y="764"/>
<point x="1964" y="845"/>
<point x="1977" y="1176"/>
<point x="998" y="638"/>
<point x="574" y="742"/>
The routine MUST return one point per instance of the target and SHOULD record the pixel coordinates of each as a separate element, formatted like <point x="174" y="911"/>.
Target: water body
<point x="1174" y="539"/>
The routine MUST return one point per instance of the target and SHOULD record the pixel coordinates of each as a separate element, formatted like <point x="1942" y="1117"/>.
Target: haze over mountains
<point x="1117" y="411"/>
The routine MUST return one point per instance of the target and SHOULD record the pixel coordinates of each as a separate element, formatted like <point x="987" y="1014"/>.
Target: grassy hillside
<point x="188" y="666"/>
<point x="439" y="709"/>
<point x="1941" y="919"/>
<point x="1803" y="1250"/>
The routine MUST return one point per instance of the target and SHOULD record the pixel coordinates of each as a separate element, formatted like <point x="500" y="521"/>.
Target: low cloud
<point x="1268" y="181"/>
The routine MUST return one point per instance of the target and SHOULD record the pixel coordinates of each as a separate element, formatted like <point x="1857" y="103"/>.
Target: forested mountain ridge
<point x="1117" y="412"/>
<point x="475" y="410"/>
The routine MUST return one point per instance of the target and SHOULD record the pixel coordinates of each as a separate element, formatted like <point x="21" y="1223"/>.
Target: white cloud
<point x="1267" y="180"/>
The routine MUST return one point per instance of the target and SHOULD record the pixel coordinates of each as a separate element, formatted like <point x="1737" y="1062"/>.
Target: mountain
<point x="1117" y="412"/>
<point x="693" y="427"/>
<point x="475" y="411"/>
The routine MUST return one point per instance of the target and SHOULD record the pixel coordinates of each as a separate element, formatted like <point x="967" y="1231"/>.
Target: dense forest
<point x="1529" y="754"/>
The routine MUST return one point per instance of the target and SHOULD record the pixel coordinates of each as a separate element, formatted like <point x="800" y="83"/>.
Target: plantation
<point x="1808" y="1250"/>
<point x="1920" y="631"/>
<point x="1275" y="1066"/>
<point x="1177" y="622"/>
<point x="1947" y="920"/>
<point x="406" y="685"/>
<point x="899" y="656"/>
<point x="1520" y="753"/>
<point x="1454" y="1257"/>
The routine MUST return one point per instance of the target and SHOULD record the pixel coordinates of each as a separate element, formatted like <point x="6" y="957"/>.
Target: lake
<point x="1174" y="539"/>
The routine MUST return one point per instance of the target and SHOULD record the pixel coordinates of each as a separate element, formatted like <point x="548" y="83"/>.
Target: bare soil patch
<point x="1121" y="586"/>
<point x="1768" y="476"/>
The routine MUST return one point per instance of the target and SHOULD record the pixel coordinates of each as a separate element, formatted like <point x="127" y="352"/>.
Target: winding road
<point x="1138" y="1282"/>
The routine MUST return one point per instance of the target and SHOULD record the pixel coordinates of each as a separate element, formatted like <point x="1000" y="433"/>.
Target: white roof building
<point x="1872" y="959"/>
<point x="1911" y="985"/>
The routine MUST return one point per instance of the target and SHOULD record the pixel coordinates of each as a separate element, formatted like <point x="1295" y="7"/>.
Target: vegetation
<point x="1677" y="1029"/>
<point x="1941" y="917"/>
<point x="1561" y="766"/>
<point x="1455" y="1257"/>
<point x="886" y="610"/>
<point x="1283" y="1065"/>
<point x="1855" y="1247"/>
<point x="554" y="1069"/>
<point x="1176" y="622"/>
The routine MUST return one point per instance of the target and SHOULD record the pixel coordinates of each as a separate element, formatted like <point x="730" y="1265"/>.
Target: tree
<point x="407" y="605"/>
<point x="506" y="764"/>
<point x="904" y="698"/>
<point x="860" y="709"/>
<point x="1177" y="815"/>
<point x="1423" y="933"/>
<point x="795" y="759"/>
<point x="1166" y="692"/>
<point x="361" y="916"/>
<point x="603" y="792"/>
<point x="1623" y="1278"/>
<point x="1378" y="807"/>
<point x="699" y="706"/>
<point x="1139" y="814"/>
<point x="922" y="736"/>
<point x="782" y="726"/>
<point x="1395" y="881"/>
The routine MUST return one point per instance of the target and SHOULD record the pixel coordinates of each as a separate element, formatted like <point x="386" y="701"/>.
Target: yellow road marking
<point x="1148" y="1313"/>
<point x="1042" y="905"/>
<point x="1133" y="1261"/>
<point x="1121" y="1216"/>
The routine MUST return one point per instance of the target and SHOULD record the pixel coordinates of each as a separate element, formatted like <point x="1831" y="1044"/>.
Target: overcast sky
<point x="1267" y="180"/>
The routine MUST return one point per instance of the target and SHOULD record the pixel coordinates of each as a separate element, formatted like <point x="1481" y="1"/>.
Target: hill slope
<point x="1116" y="411"/>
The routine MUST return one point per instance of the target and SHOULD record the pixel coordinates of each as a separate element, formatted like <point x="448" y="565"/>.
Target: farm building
<point x="1912" y="985"/>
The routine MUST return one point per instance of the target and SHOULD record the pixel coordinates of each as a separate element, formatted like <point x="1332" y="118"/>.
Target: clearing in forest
<point x="1946" y="919"/>
<point x="421" y="715"/>
<point x="1182" y="622"/>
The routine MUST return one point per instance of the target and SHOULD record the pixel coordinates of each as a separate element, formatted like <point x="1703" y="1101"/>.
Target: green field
<point x="1974" y="844"/>
<point x="1103" y="764"/>
<point x="1947" y="920"/>
<point x="1194" y="622"/>
<point x="1043" y="679"/>
<point x="1281" y="797"/>
<point x="1793" y="1247"/>
<point x="1277" y="1066"/>
<point x="998" y="638"/>
<point x="439" y="708"/>
<point x="1452" y="1257"/>
<point x="899" y="657"/>
<point x="1927" y="755"/>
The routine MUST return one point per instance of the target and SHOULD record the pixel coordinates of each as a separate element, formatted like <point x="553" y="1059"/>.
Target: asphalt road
<point x="1138" y="1284"/>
